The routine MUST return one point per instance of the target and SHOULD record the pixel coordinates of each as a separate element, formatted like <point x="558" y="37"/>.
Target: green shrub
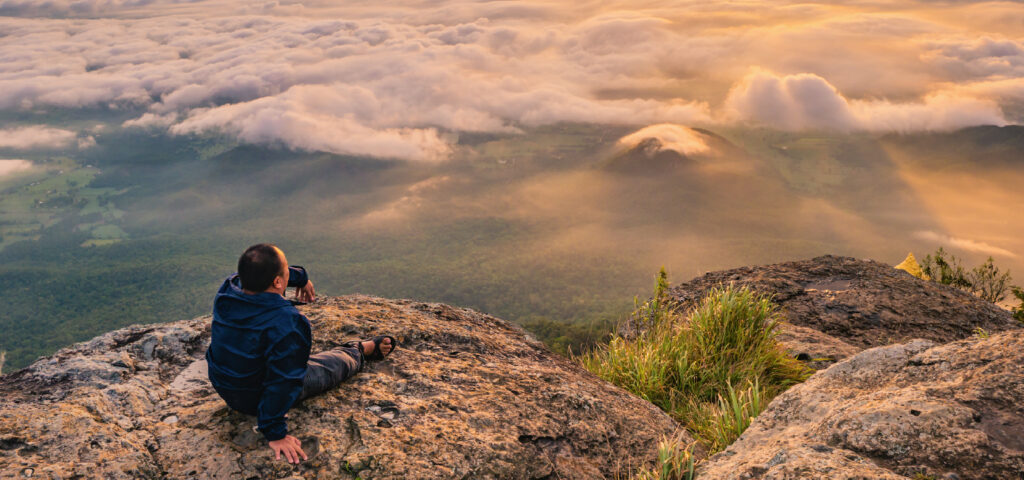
<point x="945" y="270"/>
<point x="653" y="311"/>
<point x="564" y="338"/>
<point x="988" y="282"/>
<point x="985" y="280"/>
<point x="687" y="365"/>
<point x="1018" y="311"/>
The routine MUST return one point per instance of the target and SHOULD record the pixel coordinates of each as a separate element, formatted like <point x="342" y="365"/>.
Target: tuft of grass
<point x="688" y="364"/>
<point x="3" y="358"/>
<point x="675" y="462"/>
<point x="721" y="423"/>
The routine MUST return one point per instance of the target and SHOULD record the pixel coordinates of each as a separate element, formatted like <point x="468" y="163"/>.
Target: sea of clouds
<point x="389" y="79"/>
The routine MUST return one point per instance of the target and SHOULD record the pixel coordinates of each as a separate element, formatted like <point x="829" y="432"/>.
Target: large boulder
<point x="862" y="303"/>
<point x="465" y="395"/>
<point x="953" y="411"/>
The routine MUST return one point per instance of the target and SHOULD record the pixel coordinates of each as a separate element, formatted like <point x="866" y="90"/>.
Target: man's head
<point x="263" y="268"/>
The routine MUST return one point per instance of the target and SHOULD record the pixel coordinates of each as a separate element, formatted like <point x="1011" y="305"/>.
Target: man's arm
<point x="298" y="278"/>
<point x="282" y="385"/>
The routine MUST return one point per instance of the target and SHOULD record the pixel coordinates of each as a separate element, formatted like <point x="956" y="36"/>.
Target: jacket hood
<point x="233" y="305"/>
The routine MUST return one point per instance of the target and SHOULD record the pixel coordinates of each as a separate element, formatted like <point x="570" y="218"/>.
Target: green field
<point x="143" y="227"/>
<point x="55" y="191"/>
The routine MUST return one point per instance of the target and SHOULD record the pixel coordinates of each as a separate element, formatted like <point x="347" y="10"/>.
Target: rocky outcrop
<point x="812" y="347"/>
<point x="465" y="396"/>
<point x="953" y="411"/>
<point x="861" y="303"/>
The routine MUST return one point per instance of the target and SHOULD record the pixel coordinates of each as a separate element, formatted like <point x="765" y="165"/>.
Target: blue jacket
<point x="258" y="351"/>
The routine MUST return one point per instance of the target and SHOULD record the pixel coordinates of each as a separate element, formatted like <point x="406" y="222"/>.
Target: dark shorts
<point x="326" y="370"/>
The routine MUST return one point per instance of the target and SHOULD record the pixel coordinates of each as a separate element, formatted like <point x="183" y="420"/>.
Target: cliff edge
<point x="465" y="395"/>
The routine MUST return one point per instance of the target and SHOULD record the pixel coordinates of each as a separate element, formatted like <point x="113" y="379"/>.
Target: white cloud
<point x="152" y="121"/>
<point x="939" y="111"/>
<point x="10" y="165"/>
<point x="977" y="58"/>
<point x="1010" y="89"/>
<point x="303" y="118"/>
<point x="69" y="7"/>
<point x="384" y="78"/>
<point x="790" y="102"/>
<point x="964" y="243"/>
<point x="807" y="101"/>
<point x="33" y="137"/>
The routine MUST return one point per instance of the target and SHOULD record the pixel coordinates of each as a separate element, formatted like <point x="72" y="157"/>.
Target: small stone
<point x="27" y="473"/>
<point x="354" y="463"/>
<point x="171" y="419"/>
<point x="777" y="459"/>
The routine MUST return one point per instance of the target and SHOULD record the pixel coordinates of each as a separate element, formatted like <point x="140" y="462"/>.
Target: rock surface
<point x="814" y="348"/>
<point x="862" y="303"/>
<point x="465" y="395"/>
<point x="953" y="411"/>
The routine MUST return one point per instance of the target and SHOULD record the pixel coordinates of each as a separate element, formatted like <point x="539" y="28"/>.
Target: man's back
<point x="259" y="360"/>
<point x="258" y="352"/>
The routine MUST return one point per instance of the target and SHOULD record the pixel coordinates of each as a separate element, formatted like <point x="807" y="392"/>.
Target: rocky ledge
<point x="917" y="410"/>
<point x="940" y="396"/>
<point x="466" y="395"/>
<point x="837" y="306"/>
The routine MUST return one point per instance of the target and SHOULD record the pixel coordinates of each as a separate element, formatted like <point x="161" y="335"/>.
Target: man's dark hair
<point x="258" y="266"/>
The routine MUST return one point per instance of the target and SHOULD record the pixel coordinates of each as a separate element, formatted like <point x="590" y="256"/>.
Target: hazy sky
<point x="388" y="78"/>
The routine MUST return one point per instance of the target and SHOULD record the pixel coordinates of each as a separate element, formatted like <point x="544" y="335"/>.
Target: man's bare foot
<point x="368" y="347"/>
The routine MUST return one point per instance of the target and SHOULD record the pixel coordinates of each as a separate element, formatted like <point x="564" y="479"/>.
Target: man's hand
<point x="291" y="448"/>
<point x="305" y="293"/>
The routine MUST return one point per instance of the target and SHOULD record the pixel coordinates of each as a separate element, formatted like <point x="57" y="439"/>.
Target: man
<point x="259" y="360"/>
